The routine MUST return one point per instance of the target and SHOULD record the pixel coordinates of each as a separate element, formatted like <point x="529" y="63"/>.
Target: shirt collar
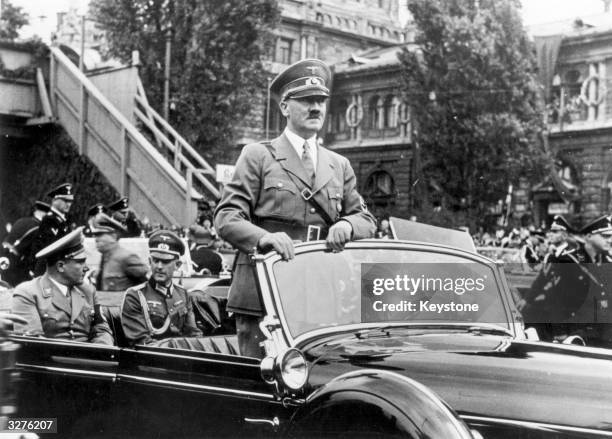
<point x="298" y="144"/>
<point x="63" y="288"/>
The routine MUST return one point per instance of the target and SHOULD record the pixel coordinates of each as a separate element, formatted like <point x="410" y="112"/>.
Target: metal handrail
<point x="166" y="126"/>
<point x="181" y="158"/>
<point x="140" y="139"/>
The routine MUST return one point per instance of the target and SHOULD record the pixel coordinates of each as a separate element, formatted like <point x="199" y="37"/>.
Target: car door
<point x="183" y="393"/>
<point x="72" y="381"/>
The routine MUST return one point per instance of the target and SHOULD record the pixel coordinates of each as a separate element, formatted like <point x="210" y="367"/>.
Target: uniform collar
<point x="298" y="144"/>
<point x="164" y="290"/>
<point x="63" y="288"/>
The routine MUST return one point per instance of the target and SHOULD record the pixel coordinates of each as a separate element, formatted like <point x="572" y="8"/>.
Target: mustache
<point x="314" y="114"/>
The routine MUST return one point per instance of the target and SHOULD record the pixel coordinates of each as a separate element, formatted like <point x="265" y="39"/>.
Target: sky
<point x="43" y="12"/>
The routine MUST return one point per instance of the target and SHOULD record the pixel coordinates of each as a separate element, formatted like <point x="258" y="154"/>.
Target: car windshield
<point x="324" y="289"/>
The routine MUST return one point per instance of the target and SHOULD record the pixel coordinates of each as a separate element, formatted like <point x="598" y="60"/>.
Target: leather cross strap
<point x="306" y="193"/>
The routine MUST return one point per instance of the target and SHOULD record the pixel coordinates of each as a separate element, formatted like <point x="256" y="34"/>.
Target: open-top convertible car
<point x="386" y="338"/>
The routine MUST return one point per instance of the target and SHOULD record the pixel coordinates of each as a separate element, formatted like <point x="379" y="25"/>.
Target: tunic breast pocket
<point x="279" y="198"/>
<point x="335" y="201"/>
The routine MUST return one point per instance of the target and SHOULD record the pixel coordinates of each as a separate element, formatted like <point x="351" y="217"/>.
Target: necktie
<point x="308" y="162"/>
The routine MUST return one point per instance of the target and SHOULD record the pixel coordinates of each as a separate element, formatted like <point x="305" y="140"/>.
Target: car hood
<point x="482" y="375"/>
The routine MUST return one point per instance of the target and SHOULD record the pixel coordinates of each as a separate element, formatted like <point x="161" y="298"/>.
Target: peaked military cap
<point x="39" y="205"/>
<point x="559" y="223"/>
<point x="69" y="246"/>
<point x="96" y="209"/>
<point x="103" y="223"/>
<point x="308" y="77"/>
<point x="120" y="204"/>
<point x="165" y="244"/>
<point x="600" y="225"/>
<point x="64" y="191"/>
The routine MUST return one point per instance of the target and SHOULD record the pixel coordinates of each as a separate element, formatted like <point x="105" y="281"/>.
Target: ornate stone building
<point x="576" y="64"/>
<point x="370" y="124"/>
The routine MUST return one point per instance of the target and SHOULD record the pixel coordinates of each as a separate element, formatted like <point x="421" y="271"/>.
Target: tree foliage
<point x="12" y="18"/>
<point x="472" y="84"/>
<point x="217" y="74"/>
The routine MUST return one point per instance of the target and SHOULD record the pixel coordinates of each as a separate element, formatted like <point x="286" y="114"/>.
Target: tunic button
<point x="279" y="184"/>
<point x="312" y="210"/>
<point x="338" y="195"/>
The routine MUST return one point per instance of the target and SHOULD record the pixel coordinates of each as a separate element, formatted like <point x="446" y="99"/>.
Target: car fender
<point x="381" y="402"/>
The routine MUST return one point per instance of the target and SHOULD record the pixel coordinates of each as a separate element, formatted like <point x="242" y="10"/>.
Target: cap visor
<point x="307" y="93"/>
<point x="65" y="197"/>
<point x="163" y="255"/>
<point x="81" y="254"/>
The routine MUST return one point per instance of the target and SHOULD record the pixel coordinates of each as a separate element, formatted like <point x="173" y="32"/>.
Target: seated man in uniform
<point x="158" y="308"/>
<point x="59" y="304"/>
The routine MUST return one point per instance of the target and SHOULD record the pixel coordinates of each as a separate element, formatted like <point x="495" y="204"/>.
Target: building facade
<point x="579" y="116"/>
<point x="331" y="30"/>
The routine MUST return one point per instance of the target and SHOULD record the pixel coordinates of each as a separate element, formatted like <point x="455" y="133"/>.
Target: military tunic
<point x="52" y="314"/>
<point x="152" y="313"/>
<point x="265" y="196"/>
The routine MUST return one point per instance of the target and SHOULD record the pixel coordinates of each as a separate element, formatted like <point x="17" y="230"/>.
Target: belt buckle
<point x="306" y="194"/>
<point x="313" y="233"/>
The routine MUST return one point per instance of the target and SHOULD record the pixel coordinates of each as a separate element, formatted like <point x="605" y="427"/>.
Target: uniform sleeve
<point x="354" y="209"/>
<point x="135" y="268"/>
<point x="101" y="330"/>
<point x="234" y="214"/>
<point x="24" y="305"/>
<point x="132" y="319"/>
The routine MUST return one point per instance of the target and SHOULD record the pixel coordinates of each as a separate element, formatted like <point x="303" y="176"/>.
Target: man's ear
<point x="284" y="107"/>
<point x="59" y="266"/>
<point x="178" y="263"/>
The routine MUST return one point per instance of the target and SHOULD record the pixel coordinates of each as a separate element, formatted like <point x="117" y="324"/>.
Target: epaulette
<point x="141" y="286"/>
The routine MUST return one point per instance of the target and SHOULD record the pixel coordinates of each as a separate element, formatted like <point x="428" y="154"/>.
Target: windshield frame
<point x="274" y="308"/>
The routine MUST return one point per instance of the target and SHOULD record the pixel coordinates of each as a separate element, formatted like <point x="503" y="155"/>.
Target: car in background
<point x="337" y="362"/>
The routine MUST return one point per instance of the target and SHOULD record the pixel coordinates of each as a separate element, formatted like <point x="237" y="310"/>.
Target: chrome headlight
<point x="289" y="370"/>
<point x="293" y="369"/>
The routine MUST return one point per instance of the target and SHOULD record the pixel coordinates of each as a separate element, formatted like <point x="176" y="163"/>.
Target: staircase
<point x="164" y="177"/>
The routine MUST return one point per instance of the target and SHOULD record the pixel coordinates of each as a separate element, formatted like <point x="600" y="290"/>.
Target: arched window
<point x="390" y="111"/>
<point x="374" y="116"/>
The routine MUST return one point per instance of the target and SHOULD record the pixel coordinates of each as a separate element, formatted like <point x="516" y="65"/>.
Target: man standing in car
<point x="159" y="308"/>
<point x="288" y="189"/>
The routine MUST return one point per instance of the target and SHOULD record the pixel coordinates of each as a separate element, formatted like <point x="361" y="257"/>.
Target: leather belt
<point x="294" y="229"/>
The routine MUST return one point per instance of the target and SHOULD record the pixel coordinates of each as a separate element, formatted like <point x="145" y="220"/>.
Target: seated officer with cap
<point x="158" y="308"/>
<point x="54" y="224"/>
<point x="59" y="304"/>
<point x="288" y="189"/>
<point x="121" y="211"/>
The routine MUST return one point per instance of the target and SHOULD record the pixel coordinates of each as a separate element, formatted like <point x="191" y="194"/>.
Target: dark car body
<point x="447" y="375"/>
